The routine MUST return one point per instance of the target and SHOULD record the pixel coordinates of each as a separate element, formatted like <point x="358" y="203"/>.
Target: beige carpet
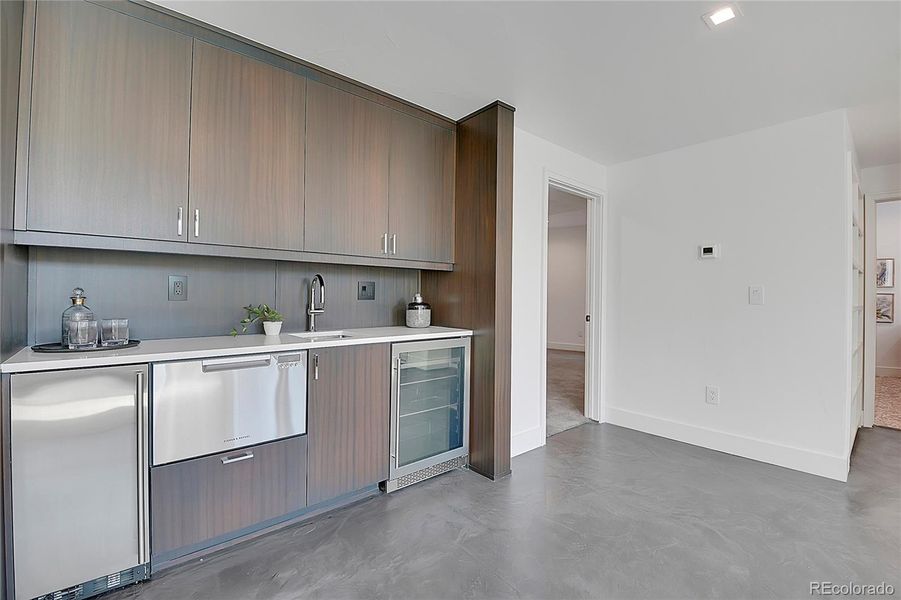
<point x="888" y="402"/>
<point x="565" y="390"/>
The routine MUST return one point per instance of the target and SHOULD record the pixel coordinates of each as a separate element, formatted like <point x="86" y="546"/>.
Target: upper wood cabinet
<point x="247" y="152"/>
<point x="109" y="124"/>
<point x="349" y="406"/>
<point x="379" y="182"/>
<point x="347" y="173"/>
<point x="421" y="190"/>
<point x="130" y="129"/>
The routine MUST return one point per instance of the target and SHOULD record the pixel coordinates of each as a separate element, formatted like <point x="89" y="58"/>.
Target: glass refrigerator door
<point x="430" y="404"/>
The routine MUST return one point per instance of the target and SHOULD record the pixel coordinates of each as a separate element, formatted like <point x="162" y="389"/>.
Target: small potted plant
<point x="263" y="313"/>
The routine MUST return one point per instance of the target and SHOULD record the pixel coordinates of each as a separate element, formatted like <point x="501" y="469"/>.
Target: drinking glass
<point x="82" y="335"/>
<point x="113" y="332"/>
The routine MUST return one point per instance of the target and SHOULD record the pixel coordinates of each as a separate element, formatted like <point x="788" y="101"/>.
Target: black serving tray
<point x="58" y="348"/>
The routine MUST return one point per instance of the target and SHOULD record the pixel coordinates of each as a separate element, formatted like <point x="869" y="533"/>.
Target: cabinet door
<point x="210" y="498"/>
<point x="421" y="190"/>
<point x="372" y="410"/>
<point x="108" y="149"/>
<point x="349" y="404"/>
<point x="347" y="173"/>
<point x="247" y="151"/>
<point x="330" y="424"/>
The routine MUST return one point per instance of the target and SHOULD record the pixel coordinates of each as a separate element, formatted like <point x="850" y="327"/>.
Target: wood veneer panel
<point x="421" y="189"/>
<point x="330" y="410"/>
<point x="110" y="102"/>
<point x="503" y="301"/>
<point x="372" y="408"/>
<point x="247" y="151"/>
<point x="477" y="294"/>
<point x="347" y="173"/>
<point x="348" y="411"/>
<point x="202" y="499"/>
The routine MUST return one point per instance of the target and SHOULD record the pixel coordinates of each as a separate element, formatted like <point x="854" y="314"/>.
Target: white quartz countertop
<point x="27" y="360"/>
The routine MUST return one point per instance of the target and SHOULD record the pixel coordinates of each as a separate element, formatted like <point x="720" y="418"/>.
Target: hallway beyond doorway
<point x="565" y="390"/>
<point x="888" y="402"/>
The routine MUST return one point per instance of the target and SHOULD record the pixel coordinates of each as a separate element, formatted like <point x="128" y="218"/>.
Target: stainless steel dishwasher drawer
<point x="207" y="406"/>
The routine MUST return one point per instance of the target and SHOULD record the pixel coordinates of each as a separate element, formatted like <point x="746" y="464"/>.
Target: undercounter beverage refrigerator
<point x="79" y="460"/>
<point x="429" y="409"/>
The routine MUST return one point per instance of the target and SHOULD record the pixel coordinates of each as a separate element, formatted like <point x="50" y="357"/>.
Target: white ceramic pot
<point x="272" y="327"/>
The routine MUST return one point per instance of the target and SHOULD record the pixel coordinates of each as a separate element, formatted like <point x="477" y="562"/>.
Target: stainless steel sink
<point x="321" y="336"/>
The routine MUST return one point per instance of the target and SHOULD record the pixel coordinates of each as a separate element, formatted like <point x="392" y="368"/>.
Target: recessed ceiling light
<point x="721" y="15"/>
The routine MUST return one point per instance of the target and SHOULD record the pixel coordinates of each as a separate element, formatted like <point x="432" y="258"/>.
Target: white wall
<point x="532" y="157"/>
<point x="888" y="245"/>
<point x="776" y="199"/>
<point x="566" y="286"/>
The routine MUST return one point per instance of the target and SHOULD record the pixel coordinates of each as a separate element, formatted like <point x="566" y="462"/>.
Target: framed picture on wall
<point x="885" y="272"/>
<point x="885" y="308"/>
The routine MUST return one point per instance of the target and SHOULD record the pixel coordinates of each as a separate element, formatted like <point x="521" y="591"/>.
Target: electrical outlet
<point x="755" y="294"/>
<point x="178" y="288"/>
<point x="365" y="290"/>
<point x="713" y="394"/>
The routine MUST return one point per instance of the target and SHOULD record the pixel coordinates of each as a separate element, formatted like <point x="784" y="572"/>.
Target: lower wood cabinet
<point x="203" y="501"/>
<point x="349" y="406"/>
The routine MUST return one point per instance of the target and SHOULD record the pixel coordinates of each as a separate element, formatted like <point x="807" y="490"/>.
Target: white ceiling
<point x="610" y="80"/>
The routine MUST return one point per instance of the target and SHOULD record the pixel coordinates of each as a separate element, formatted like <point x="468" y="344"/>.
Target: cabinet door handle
<point x="394" y="243"/>
<point x="227" y="460"/>
<point x="385" y="243"/>
<point x="180" y="214"/>
<point x="316" y="367"/>
<point x="197" y="222"/>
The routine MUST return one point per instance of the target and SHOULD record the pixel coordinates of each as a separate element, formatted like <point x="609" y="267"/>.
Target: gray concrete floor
<point x="600" y="512"/>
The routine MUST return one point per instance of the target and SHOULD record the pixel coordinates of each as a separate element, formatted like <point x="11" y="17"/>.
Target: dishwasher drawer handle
<point x="227" y="460"/>
<point x="231" y="364"/>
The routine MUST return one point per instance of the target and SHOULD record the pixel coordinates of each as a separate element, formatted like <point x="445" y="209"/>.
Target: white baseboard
<point x="799" y="459"/>
<point x="566" y="346"/>
<point x="888" y="371"/>
<point x="526" y="440"/>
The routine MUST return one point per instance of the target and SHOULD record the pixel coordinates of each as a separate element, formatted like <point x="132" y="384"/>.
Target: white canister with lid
<point x="419" y="313"/>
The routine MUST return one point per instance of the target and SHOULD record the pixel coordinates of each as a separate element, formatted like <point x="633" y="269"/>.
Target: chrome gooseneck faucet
<point x="313" y="309"/>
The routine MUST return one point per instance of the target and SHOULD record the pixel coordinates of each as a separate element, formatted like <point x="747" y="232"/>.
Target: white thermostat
<point x="709" y="251"/>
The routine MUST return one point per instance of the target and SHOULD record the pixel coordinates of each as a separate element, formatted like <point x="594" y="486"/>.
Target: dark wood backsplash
<point x="134" y="286"/>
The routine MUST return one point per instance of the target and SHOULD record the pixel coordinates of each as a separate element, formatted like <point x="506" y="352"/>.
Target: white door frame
<point x="869" y="327"/>
<point x="595" y="286"/>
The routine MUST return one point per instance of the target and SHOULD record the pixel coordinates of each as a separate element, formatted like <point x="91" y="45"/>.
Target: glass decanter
<point x="79" y="311"/>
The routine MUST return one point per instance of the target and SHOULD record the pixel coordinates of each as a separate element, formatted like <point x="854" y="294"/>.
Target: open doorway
<point x="887" y="410"/>
<point x="567" y="308"/>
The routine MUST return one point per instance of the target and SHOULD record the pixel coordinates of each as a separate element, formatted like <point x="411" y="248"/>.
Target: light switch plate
<point x="178" y="288"/>
<point x="712" y="395"/>
<point x="755" y="294"/>
<point x="365" y="290"/>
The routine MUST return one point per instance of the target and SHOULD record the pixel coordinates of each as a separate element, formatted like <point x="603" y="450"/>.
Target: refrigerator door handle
<point x="143" y="466"/>
<point x="395" y="403"/>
